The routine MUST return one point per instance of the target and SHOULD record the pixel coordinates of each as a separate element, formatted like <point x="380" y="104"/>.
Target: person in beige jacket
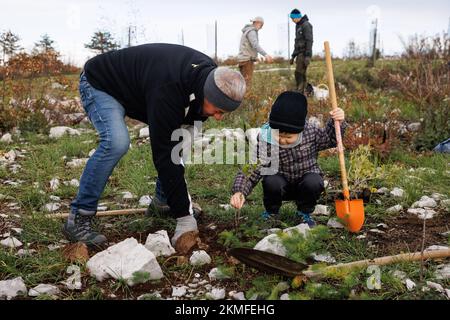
<point x="249" y="49"/>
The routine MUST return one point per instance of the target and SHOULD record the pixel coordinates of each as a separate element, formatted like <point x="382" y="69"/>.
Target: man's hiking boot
<point x="78" y="228"/>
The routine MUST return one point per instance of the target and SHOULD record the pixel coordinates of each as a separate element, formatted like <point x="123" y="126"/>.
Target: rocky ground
<point x="39" y="176"/>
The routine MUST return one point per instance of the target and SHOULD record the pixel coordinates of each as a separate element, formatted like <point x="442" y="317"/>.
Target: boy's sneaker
<point x="267" y="216"/>
<point x="306" y="217"/>
<point x="78" y="228"/>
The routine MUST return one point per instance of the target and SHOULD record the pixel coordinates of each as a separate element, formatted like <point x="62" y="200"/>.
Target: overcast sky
<point x="71" y="23"/>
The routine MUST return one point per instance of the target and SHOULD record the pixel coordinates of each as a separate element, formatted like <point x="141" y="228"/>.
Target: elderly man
<point x="165" y="86"/>
<point x="302" y="47"/>
<point x="249" y="49"/>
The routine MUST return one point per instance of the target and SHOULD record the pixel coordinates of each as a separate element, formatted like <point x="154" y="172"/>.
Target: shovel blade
<point x="351" y="213"/>
<point x="268" y="262"/>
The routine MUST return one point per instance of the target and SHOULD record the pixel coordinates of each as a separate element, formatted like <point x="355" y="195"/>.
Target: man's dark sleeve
<point x="166" y="114"/>
<point x="308" y="34"/>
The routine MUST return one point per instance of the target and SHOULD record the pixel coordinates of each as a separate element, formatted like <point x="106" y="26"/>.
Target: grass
<point x="210" y="186"/>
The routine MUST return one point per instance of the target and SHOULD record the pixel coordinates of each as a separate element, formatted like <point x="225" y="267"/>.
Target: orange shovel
<point x="350" y="212"/>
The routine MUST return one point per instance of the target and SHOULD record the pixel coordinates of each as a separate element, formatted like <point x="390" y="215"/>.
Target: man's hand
<point x="291" y="62"/>
<point x="237" y="200"/>
<point x="268" y="58"/>
<point x="307" y="61"/>
<point x="338" y="115"/>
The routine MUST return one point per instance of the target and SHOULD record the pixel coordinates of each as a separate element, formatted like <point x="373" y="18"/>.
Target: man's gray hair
<point x="230" y="82"/>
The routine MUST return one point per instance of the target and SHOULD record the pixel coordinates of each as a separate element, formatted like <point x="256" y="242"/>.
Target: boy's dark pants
<point x="306" y="192"/>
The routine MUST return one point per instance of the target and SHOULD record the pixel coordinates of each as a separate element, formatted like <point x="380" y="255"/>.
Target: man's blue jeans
<point x="108" y="117"/>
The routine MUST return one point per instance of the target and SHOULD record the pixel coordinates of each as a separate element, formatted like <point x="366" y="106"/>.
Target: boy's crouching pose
<point x="298" y="177"/>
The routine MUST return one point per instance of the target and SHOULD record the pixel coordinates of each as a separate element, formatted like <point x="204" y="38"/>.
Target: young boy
<point x="298" y="177"/>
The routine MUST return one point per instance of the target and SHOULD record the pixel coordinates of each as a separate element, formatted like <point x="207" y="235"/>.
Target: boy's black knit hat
<point x="289" y="112"/>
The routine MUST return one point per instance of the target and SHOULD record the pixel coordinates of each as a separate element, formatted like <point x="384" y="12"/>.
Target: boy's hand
<point x="237" y="200"/>
<point x="338" y="115"/>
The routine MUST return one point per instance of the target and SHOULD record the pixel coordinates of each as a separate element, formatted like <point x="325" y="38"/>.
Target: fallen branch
<point x="404" y="257"/>
<point x="101" y="214"/>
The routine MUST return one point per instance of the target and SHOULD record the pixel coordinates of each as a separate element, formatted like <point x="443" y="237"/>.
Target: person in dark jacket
<point x="164" y="85"/>
<point x="302" y="47"/>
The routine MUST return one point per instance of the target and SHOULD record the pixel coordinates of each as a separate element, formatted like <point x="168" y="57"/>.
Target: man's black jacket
<point x="303" y="38"/>
<point x="155" y="83"/>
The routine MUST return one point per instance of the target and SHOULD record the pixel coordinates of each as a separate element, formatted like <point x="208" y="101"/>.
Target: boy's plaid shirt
<point x="293" y="162"/>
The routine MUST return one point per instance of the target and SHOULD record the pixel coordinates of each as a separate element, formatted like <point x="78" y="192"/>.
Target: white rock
<point x="447" y="292"/>
<point x="6" y="138"/>
<point x="122" y="260"/>
<point x="216" y="274"/>
<point x="383" y="190"/>
<point x="226" y="207"/>
<point x="144" y="133"/>
<point x="53" y="247"/>
<point x="285" y="296"/>
<point x="74" y="281"/>
<point x="12" y="288"/>
<point x="422" y="213"/>
<point x="199" y="258"/>
<point x="52" y="207"/>
<point x="435" y="286"/>
<point x="145" y="201"/>
<point x="159" y="244"/>
<point x="25" y="252"/>
<point x="410" y="285"/>
<point x="48" y="289"/>
<point x="436" y="247"/>
<point x="377" y="231"/>
<point x="438" y="196"/>
<point x="127" y="195"/>
<point x="443" y="272"/>
<point x="102" y="208"/>
<point x="179" y="291"/>
<point x="55" y="198"/>
<point x="399" y="275"/>
<point x="237" y="295"/>
<point x="302" y="229"/>
<point x="77" y="163"/>
<point x="58" y="132"/>
<point x="334" y="223"/>
<point x="216" y="294"/>
<point x="74" y="183"/>
<point x="321" y="210"/>
<point x="414" y="127"/>
<point x="395" y="209"/>
<point x="272" y="244"/>
<point x="54" y="184"/>
<point x="425" y="202"/>
<point x="11" y="242"/>
<point x="397" y="192"/>
<point x="150" y="296"/>
<point x="445" y="203"/>
<point x="326" y="257"/>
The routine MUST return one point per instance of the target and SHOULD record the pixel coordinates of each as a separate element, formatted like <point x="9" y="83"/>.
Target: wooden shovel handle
<point x="404" y="257"/>
<point x="337" y="125"/>
<point x="101" y="214"/>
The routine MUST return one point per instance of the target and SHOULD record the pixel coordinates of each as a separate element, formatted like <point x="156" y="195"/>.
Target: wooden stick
<point x="102" y="214"/>
<point x="337" y="125"/>
<point x="404" y="257"/>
